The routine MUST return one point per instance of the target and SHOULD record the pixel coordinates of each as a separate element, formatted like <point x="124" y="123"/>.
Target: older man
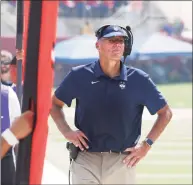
<point x="110" y="99"/>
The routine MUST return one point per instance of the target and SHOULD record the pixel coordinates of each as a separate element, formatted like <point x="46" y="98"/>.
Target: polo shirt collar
<point x="98" y="71"/>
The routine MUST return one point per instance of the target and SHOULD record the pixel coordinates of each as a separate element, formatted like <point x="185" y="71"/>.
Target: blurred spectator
<point x="6" y="58"/>
<point x="167" y="29"/>
<point x="136" y="6"/>
<point x="106" y="8"/>
<point x="178" y="27"/>
<point x="67" y="7"/>
<point x="87" y="29"/>
<point x="93" y="7"/>
<point x="80" y="7"/>
<point x="174" y="28"/>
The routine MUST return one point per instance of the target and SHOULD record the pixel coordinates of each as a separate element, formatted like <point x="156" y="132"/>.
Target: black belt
<point x="117" y="152"/>
<point x="125" y="153"/>
<point x="111" y="151"/>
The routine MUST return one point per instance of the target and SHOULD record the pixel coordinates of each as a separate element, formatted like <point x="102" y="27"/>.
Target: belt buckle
<point x="115" y="152"/>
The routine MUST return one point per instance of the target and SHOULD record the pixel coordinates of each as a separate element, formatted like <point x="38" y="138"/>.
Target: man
<point x="20" y="128"/>
<point x="9" y="68"/>
<point x="110" y="101"/>
<point x="6" y="58"/>
<point x="10" y="109"/>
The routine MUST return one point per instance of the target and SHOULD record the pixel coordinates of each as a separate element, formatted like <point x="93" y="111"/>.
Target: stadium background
<point x="170" y="160"/>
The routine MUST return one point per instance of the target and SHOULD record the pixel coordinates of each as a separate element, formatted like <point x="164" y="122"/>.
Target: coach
<point x="110" y="99"/>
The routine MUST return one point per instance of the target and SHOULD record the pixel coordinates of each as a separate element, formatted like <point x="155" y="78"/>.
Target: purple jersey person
<point x="10" y="109"/>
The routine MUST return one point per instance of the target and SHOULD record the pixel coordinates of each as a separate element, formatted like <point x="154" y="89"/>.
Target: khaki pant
<point x="101" y="168"/>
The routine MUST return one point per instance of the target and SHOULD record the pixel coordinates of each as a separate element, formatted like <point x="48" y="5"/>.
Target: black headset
<point x="128" y="38"/>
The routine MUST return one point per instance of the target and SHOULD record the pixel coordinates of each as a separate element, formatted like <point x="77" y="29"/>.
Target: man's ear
<point x="97" y="45"/>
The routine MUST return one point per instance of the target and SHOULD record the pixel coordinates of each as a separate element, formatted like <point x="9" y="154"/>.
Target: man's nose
<point x="117" y="44"/>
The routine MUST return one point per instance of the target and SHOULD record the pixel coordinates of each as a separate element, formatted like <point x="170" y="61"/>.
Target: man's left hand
<point x="137" y="153"/>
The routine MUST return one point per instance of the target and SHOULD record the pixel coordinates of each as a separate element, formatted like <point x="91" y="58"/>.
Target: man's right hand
<point x="19" y="54"/>
<point x="77" y="138"/>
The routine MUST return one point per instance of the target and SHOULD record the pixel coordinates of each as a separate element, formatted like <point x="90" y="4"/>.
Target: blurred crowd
<point x="92" y="9"/>
<point x="166" y="70"/>
<point x="83" y="8"/>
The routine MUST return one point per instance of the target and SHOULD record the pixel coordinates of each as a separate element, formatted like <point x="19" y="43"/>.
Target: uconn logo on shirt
<point x="122" y="85"/>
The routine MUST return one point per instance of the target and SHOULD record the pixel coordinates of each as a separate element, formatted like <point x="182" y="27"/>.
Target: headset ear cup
<point x="128" y="47"/>
<point x="129" y="51"/>
<point x="128" y="41"/>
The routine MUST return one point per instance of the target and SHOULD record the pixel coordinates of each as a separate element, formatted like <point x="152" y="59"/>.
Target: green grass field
<point x="178" y="95"/>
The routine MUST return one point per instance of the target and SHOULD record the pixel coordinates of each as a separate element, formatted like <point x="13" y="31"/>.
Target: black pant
<point x="7" y="170"/>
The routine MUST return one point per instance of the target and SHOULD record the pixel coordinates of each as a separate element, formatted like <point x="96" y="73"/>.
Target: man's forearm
<point x="159" y="126"/>
<point x="4" y="147"/>
<point x="59" y="118"/>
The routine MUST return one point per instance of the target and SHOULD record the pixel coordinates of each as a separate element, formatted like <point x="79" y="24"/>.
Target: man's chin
<point x="116" y="58"/>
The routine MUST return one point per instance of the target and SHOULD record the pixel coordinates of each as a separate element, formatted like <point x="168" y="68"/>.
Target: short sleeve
<point x="152" y="97"/>
<point x="14" y="106"/>
<point x="66" y="91"/>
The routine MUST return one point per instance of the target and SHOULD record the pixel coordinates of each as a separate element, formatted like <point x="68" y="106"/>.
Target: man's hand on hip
<point x="77" y="138"/>
<point x="137" y="153"/>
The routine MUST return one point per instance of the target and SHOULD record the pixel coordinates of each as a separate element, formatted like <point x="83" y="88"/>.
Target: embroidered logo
<point x="94" y="82"/>
<point x="122" y="85"/>
<point x="116" y="28"/>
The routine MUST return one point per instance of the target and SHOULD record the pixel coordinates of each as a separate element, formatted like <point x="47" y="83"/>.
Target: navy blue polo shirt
<point x="109" y="110"/>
